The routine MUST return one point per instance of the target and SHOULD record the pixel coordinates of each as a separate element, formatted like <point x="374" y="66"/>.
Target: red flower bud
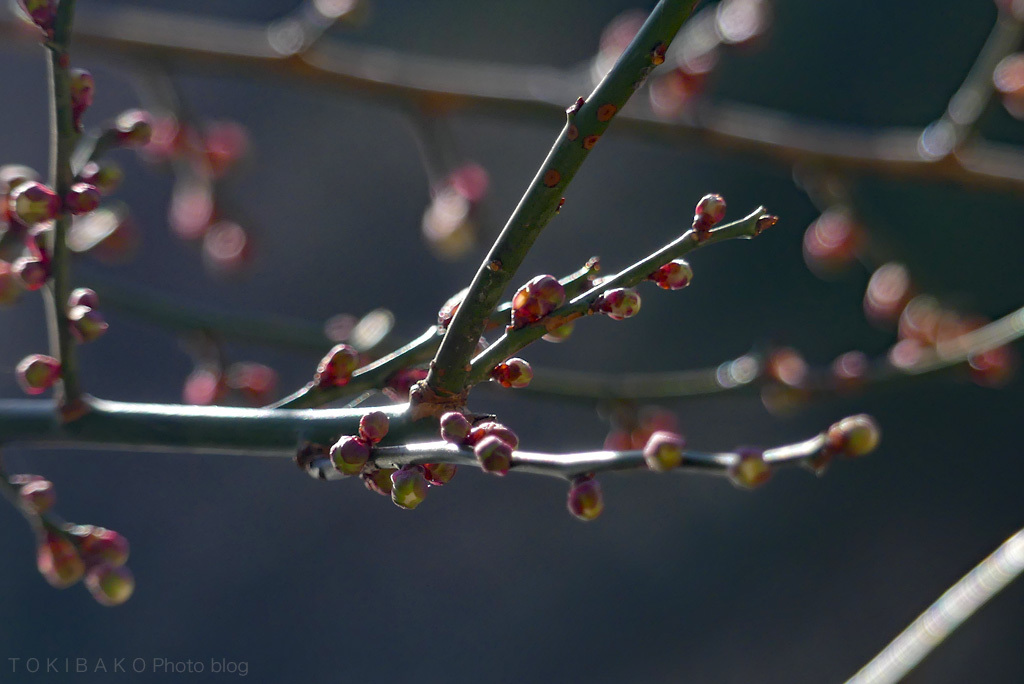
<point x="709" y="211"/>
<point x="675" y="275"/>
<point x="335" y="369"/>
<point x="536" y="299"/>
<point x="513" y="373"/>
<point x="82" y="198"/>
<point x="32" y="272"/>
<point x="42" y="13"/>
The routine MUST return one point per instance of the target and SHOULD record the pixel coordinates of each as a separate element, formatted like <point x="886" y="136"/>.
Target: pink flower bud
<point x="110" y="586"/>
<point x="709" y="211"/>
<point x="585" y="499"/>
<point x="408" y="487"/>
<point x="493" y="429"/>
<point x="618" y="304"/>
<point x="83" y="89"/>
<point x="350" y="455"/>
<point x="42" y="13"/>
<point x="373" y="426"/>
<point x="494" y="454"/>
<point x="37" y="372"/>
<point x="455" y="427"/>
<point x="664" y="451"/>
<point x="99" y="546"/>
<point x="205" y="386"/>
<point x="58" y="561"/>
<point x="255" y="381"/>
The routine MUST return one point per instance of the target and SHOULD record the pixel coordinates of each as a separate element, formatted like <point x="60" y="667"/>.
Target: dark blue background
<point x="683" y="578"/>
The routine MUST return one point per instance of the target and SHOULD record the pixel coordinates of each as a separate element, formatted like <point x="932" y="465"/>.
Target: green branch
<point x="449" y="373"/>
<point x="199" y="429"/>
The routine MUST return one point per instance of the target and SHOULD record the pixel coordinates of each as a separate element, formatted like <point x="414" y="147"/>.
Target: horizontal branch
<point x="198" y="429"/>
<point x="746" y="374"/>
<point x="134" y="34"/>
<point x="573" y="464"/>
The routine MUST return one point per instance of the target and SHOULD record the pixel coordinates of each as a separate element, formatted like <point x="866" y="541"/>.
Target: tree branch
<point x="960" y="602"/>
<point x="587" y="121"/>
<point x="135" y="34"/>
<point x="63" y="137"/>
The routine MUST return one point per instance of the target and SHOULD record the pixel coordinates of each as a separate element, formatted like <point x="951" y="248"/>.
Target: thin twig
<point x="944" y="616"/>
<point x="572" y="464"/>
<point x="746" y="373"/>
<point x="514" y="340"/>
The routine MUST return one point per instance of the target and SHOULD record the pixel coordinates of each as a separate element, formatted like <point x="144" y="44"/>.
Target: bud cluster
<point x="67" y="553"/>
<point x="492" y="442"/>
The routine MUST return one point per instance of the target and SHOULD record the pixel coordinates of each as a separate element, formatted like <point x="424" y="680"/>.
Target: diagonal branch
<point x="943" y="617"/>
<point x="587" y="121"/>
<point x="514" y="340"/>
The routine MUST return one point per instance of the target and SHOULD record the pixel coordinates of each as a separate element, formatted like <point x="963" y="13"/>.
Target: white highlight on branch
<point x="961" y="601"/>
